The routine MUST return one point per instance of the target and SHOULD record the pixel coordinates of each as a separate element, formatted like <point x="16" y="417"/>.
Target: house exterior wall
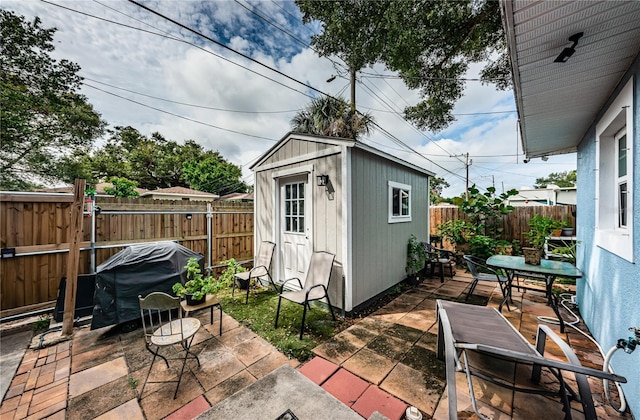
<point x="608" y="294"/>
<point x="379" y="250"/>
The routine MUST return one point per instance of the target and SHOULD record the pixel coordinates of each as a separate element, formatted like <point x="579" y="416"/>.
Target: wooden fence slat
<point x="35" y="223"/>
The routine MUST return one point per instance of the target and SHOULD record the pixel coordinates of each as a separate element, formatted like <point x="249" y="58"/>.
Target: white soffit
<point x="557" y="102"/>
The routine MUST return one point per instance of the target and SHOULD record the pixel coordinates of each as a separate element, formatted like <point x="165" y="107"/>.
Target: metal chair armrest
<point x="288" y="280"/>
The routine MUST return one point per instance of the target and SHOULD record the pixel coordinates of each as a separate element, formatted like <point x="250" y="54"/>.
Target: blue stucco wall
<point x="608" y="295"/>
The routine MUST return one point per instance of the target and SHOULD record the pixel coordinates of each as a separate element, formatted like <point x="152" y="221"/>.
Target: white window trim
<point x="608" y="235"/>
<point x="398" y="219"/>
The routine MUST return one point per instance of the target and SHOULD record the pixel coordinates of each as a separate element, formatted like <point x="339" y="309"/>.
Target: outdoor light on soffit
<point x="568" y="52"/>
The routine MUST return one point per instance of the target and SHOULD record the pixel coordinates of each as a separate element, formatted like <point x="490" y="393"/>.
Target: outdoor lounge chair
<point x="164" y="326"/>
<point x="315" y="287"/>
<point x="481" y="334"/>
<point x="482" y="272"/>
<point x="259" y="271"/>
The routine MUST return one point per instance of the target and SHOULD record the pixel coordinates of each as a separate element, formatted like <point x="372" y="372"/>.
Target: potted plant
<point x="415" y="259"/>
<point x="197" y="286"/>
<point x="540" y="227"/>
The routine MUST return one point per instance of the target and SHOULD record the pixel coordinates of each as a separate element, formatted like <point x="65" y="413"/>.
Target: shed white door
<point x="295" y="226"/>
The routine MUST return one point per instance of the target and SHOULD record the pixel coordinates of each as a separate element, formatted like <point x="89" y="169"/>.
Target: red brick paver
<point x="318" y="370"/>
<point x="375" y="399"/>
<point x="39" y="388"/>
<point x="345" y="386"/>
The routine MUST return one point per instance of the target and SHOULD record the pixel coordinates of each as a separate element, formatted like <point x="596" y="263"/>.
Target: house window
<point x="294" y="207"/>
<point x="621" y="142"/>
<point x="614" y="180"/>
<point x="399" y="202"/>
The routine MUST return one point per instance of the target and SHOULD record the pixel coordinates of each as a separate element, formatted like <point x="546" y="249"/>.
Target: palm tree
<point x="329" y="116"/>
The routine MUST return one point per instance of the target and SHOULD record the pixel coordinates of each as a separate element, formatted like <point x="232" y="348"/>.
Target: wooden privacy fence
<point x="514" y="224"/>
<point x="35" y="227"/>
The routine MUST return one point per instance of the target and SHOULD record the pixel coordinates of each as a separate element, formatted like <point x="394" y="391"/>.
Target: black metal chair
<point x="164" y="326"/>
<point x="315" y="287"/>
<point x="482" y="272"/>
<point x="441" y="258"/>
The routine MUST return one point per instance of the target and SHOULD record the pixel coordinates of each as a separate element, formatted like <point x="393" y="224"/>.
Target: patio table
<point x="548" y="268"/>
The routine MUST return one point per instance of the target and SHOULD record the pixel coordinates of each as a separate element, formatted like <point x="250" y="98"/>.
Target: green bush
<point x="482" y="246"/>
<point x="233" y="267"/>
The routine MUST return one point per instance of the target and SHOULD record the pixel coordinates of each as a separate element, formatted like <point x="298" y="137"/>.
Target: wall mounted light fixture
<point x="568" y="52"/>
<point x="323" y="180"/>
<point x="188" y="216"/>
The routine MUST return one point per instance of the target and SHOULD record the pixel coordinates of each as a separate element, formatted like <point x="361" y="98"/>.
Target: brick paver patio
<point x="385" y="362"/>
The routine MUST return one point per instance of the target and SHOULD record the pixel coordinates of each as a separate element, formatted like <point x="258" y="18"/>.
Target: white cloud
<point x="161" y="67"/>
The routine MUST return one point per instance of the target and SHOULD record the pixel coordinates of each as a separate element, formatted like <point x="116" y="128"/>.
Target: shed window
<point x="614" y="181"/>
<point x="399" y="202"/>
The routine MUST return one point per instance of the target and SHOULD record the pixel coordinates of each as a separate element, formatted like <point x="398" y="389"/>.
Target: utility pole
<point x="493" y="180"/>
<point x="467" y="163"/>
<point x="352" y="72"/>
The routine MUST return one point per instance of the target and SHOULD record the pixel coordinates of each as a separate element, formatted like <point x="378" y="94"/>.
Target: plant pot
<point x="242" y="283"/>
<point x="557" y="232"/>
<point x="532" y="255"/>
<point x="567" y="231"/>
<point x="193" y="302"/>
<point x="413" y="279"/>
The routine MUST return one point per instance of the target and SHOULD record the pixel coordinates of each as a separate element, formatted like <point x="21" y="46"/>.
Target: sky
<point x="145" y="71"/>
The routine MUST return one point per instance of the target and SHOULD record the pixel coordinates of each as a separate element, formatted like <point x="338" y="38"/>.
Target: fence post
<point x="209" y="234"/>
<point x="93" y="237"/>
<point x="74" y="257"/>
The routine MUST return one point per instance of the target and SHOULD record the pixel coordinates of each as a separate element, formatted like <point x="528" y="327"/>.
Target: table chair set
<point x="442" y="259"/>
<point x="165" y="326"/>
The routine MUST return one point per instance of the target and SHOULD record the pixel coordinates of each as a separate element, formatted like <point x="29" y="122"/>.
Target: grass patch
<point x="259" y="316"/>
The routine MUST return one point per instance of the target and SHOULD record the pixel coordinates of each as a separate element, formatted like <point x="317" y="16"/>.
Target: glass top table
<point x="548" y="268"/>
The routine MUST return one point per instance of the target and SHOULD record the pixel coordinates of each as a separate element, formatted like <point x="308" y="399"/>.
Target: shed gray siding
<point x="379" y="247"/>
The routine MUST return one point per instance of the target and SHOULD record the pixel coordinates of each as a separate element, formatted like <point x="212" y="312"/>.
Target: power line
<point x="179" y="116"/>
<point x="179" y="40"/>
<point x="278" y="27"/>
<point x="404" y="120"/>
<point x="290" y="14"/>
<point x="175" y="22"/>
<point x="188" y="104"/>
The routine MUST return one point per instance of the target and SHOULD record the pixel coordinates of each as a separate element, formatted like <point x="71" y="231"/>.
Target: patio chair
<point x="482" y="272"/>
<point x="259" y="271"/>
<point x="164" y="326"/>
<point x="441" y="258"/>
<point x="315" y="286"/>
<point x="487" y="341"/>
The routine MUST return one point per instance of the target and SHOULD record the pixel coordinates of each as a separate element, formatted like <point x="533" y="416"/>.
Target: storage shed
<point x="315" y="193"/>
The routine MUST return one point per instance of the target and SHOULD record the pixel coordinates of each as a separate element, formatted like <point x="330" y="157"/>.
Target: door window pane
<point x="294" y="207"/>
